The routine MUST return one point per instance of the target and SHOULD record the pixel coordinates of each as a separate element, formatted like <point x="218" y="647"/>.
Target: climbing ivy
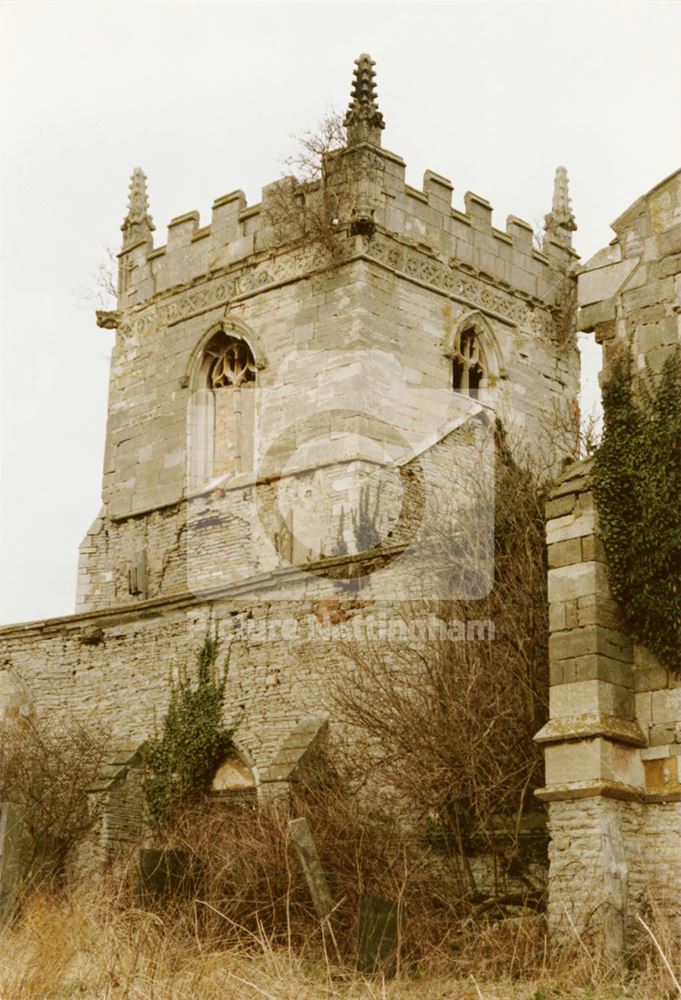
<point x="637" y="488"/>
<point x="181" y="761"/>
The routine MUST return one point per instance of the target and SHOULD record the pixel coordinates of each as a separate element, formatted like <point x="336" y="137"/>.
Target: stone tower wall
<point x="351" y="327"/>
<point x="367" y="329"/>
<point x="613" y="741"/>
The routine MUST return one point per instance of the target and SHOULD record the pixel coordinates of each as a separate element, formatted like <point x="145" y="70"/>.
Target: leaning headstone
<point x="615" y="876"/>
<point x="376" y="935"/>
<point x="301" y="835"/>
<point x="11" y="835"/>
<point x="168" y="872"/>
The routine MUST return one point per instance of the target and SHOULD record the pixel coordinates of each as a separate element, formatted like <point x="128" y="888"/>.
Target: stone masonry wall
<point x="244" y="529"/>
<point x="352" y="329"/>
<point x="613" y="740"/>
<point x="612" y="744"/>
<point x="285" y="649"/>
<point x="631" y="290"/>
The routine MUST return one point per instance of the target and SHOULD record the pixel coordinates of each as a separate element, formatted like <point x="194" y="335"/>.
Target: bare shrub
<point x="245" y="887"/>
<point x="101" y="291"/>
<point x="306" y="161"/>
<point x="251" y="887"/>
<point x="302" y="207"/>
<point x="326" y="192"/>
<point x="47" y="768"/>
<point x="447" y="726"/>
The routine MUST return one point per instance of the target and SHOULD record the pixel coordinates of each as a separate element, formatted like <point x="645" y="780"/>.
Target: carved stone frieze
<point x="423" y="267"/>
<point x="409" y="261"/>
<point x="219" y="291"/>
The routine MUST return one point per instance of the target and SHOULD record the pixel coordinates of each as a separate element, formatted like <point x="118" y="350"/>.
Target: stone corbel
<point x="108" y="319"/>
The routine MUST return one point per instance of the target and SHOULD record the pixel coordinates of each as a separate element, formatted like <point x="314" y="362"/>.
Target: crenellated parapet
<point x="354" y="289"/>
<point x="362" y="194"/>
<point x="375" y="201"/>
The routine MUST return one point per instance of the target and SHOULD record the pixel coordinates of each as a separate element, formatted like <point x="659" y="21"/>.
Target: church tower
<point x="268" y="363"/>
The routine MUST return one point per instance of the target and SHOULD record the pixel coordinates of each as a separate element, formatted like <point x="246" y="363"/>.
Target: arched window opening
<point x="222" y="417"/>
<point x="230" y="374"/>
<point x="468" y="368"/>
<point x="234" y="783"/>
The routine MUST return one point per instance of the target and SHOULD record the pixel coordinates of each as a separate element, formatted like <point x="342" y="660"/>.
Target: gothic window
<point x="222" y="419"/>
<point x="468" y="371"/>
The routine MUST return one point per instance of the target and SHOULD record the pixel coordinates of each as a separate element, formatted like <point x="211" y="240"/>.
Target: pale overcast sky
<point x="205" y="97"/>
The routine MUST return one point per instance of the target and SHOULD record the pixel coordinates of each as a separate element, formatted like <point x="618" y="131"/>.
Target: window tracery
<point x="468" y="367"/>
<point x="233" y="363"/>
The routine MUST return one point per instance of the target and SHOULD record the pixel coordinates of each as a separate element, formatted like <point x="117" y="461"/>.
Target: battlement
<point x="362" y="192"/>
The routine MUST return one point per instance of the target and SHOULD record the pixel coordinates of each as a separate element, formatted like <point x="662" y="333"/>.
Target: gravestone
<point x="376" y="935"/>
<point x="615" y="878"/>
<point x="166" y="872"/>
<point x="301" y="835"/>
<point x="11" y="835"/>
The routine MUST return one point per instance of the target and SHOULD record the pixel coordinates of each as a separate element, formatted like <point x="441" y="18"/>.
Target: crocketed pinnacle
<point x="363" y="120"/>
<point x="138" y="224"/>
<point x="560" y="222"/>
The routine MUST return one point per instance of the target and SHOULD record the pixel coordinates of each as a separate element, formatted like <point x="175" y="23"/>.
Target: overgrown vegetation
<point x="182" y="760"/>
<point x="637" y="486"/>
<point x="365" y="520"/>
<point x="47" y="768"/>
<point x="448" y="725"/>
<point x="95" y="941"/>
<point x="323" y="193"/>
<point x="302" y="207"/>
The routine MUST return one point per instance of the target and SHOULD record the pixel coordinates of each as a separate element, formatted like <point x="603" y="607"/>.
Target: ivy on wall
<point x="183" y="758"/>
<point x="637" y="488"/>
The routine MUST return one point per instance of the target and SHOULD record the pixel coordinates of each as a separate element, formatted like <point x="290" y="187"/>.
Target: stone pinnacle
<point x="363" y="120"/>
<point x="560" y="222"/>
<point x="138" y="223"/>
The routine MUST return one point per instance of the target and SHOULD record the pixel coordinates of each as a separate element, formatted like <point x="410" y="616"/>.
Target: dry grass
<point x="243" y="926"/>
<point x="87" y="944"/>
<point x="93" y="941"/>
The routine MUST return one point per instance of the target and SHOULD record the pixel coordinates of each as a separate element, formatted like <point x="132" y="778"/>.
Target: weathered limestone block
<point x="593" y="696"/>
<point x="583" y="579"/>
<point x="590" y="639"/>
<point x="633" y="280"/>
<point x="585" y="764"/>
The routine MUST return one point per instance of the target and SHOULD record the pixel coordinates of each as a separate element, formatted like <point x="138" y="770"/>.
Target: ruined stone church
<point x="295" y="389"/>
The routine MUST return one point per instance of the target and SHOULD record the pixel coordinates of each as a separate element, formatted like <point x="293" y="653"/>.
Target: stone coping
<point x="262" y="582"/>
<point x="592" y="789"/>
<point x="591" y="725"/>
